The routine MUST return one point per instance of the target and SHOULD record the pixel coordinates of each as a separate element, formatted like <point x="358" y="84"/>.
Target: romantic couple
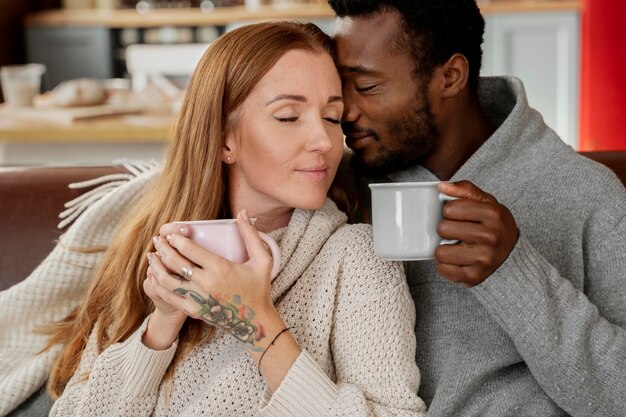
<point x="525" y="316"/>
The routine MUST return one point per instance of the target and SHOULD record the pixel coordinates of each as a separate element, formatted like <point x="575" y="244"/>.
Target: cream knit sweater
<point x="353" y="318"/>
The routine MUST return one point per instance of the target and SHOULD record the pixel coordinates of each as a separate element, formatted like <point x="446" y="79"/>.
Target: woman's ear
<point x="228" y="150"/>
<point x="454" y="73"/>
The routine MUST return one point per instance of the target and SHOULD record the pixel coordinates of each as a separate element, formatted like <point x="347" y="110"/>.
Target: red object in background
<point x="603" y="76"/>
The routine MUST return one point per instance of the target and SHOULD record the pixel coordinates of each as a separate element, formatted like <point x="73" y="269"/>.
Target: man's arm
<point x="575" y="353"/>
<point x="574" y="343"/>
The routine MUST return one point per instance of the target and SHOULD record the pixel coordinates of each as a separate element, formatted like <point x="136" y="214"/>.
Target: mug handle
<point x="443" y="197"/>
<point x="271" y="243"/>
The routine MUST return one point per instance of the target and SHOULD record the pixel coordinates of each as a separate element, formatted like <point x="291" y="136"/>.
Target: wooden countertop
<point x="135" y="128"/>
<point x="195" y="17"/>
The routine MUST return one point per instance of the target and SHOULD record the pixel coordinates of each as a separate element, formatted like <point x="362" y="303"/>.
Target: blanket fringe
<point x="105" y="184"/>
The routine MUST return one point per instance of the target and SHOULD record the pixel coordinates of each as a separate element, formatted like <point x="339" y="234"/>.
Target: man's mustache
<point x="349" y="129"/>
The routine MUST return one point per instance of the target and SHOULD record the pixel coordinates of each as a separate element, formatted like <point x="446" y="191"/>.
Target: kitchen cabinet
<point x="543" y="49"/>
<point x="70" y="52"/>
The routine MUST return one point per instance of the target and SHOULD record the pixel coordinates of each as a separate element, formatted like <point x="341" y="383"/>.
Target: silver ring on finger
<point x="186" y="272"/>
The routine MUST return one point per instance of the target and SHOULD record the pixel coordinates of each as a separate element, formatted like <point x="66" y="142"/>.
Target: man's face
<point x="387" y="119"/>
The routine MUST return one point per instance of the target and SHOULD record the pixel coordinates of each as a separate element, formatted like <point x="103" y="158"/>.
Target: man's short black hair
<point x="433" y="30"/>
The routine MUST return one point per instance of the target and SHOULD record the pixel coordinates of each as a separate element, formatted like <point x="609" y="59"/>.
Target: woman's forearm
<point x="277" y="358"/>
<point x="161" y="332"/>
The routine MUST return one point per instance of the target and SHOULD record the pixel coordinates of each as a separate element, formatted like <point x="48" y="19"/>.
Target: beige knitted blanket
<point x="55" y="287"/>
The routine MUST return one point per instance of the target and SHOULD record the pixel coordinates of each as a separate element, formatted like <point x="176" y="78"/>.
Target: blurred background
<point x="112" y="72"/>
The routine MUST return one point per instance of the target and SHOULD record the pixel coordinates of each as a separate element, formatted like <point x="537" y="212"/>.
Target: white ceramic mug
<point x="222" y="237"/>
<point x="404" y="220"/>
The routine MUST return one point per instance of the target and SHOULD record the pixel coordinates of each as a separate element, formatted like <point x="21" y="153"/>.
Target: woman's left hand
<point x="231" y="296"/>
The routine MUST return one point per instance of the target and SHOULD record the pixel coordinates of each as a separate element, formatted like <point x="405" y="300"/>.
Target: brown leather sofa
<point x="32" y="198"/>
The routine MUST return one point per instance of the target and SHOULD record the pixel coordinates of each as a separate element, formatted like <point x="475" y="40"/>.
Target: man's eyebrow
<point x="287" y="97"/>
<point x="357" y="69"/>
<point x="333" y="99"/>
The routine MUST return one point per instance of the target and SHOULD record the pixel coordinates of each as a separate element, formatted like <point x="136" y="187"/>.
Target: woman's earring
<point x="228" y="159"/>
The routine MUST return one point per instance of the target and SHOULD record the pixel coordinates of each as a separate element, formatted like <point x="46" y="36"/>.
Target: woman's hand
<point x="234" y="297"/>
<point x="152" y="288"/>
<point x="166" y="320"/>
<point x="231" y="296"/>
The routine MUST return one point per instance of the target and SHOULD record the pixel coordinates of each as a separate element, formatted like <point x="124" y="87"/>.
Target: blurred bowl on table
<point x="79" y="92"/>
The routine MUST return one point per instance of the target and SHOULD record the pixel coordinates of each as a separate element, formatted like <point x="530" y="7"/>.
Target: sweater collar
<point x="505" y="103"/>
<point x="519" y="129"/>
<point x="301" y="242"/>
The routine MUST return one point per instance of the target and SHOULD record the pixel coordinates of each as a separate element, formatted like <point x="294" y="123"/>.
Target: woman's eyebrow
<point x="302" y="99"/>
<point x="287" y="97"/>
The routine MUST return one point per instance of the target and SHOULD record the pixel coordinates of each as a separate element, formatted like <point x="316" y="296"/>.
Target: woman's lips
<point x="318" y="174"/>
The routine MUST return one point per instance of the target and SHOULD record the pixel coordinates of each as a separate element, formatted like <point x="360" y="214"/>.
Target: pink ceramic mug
<point x="222" y="237"/>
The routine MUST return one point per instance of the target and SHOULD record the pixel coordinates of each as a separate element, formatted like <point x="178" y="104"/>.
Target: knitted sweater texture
<point x="545" y="335"/>
<point x="352" y="314"/>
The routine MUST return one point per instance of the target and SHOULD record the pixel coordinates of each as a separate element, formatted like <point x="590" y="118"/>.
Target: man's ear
<point x="453" y="76"/>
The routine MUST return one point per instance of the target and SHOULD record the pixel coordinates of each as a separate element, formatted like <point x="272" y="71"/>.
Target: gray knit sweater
<point x="545" y="335"/>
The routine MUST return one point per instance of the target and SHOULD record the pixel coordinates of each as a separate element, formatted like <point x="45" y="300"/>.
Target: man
<point x="526" y="316"/>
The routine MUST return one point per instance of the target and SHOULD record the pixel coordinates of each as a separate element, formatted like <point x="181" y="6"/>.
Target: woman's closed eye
<point x="286" y="119"/>
<point x="330" y="119"/>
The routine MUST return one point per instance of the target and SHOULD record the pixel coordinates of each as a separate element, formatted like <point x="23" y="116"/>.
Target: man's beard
<point x="416" y="135"/>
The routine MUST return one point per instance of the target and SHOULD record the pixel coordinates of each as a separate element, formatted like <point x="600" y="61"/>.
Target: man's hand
<point x="485" y="228"/>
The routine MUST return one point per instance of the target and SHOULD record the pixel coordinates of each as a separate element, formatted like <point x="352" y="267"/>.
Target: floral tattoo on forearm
<point x="232" y="316"/>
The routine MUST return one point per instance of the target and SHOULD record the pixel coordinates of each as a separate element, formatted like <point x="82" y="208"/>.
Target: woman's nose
<point x="320" y="139"/>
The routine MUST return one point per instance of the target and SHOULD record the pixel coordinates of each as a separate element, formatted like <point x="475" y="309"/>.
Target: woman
<point x="258" y="136"/>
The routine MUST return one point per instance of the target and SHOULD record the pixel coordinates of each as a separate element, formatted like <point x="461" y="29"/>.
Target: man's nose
<point x="351" y="112"/>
